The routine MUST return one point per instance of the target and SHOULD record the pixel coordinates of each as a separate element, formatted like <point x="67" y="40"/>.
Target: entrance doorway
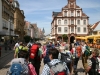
<point x="72" y="38"/>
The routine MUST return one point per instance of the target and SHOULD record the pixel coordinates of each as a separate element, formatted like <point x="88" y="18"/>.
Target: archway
<point x="59" y="38"/>
<point x="72" y="38"/>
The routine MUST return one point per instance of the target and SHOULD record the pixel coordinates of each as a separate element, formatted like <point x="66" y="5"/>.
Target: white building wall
<point x="0" y="15"/>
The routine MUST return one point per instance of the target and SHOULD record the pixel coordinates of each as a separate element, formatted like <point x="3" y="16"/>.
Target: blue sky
<point x="40" y="11"/>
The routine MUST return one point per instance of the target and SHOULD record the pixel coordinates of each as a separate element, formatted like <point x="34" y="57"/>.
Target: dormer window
<point x="65" y="13"/>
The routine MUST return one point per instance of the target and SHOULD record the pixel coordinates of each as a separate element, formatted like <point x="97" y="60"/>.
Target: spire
<point x="43" y="30"/>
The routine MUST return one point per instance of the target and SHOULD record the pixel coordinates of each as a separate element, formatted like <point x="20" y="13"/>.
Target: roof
<point x="60" y="14"/>
<point x="66" y="6"/>
<point x="55" y="13"/>
<point x="83" y="14"/>
<point x="96" y="26"/>
<point x="77" y="6"/>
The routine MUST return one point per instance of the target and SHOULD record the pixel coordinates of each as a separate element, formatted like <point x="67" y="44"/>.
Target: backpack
<point x="92" y="70"/>
<point x="22" y="53"/>
<point x="18" y="67"/>
<point x="78" y="50"/>
<point x="74" y="53"/>
<point x="44" y="51"/>
<point x="66" y="58"/>
<point x="98" y="65"/>
<point x="32" y="69"/>
<point x="34" y="51"/>
<point x="46" y="58"/>
<point x="57" y="69"/>
<point x="87" y="51"/>
<point x="15" y="69"/>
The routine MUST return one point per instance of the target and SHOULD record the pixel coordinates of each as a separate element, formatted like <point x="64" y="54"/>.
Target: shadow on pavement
<point x="7" y="66"/>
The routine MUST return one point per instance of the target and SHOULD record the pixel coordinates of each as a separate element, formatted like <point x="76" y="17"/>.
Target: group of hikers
<point x="59" y="58"/>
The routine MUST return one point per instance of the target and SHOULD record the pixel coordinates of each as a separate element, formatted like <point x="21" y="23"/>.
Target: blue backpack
<point x="46" y="58"/>
<point x="15" y="69"/>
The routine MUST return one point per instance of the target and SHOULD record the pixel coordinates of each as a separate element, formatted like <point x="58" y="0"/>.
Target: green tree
<point x="27" y="38"/>
<point x="65" y="38"/>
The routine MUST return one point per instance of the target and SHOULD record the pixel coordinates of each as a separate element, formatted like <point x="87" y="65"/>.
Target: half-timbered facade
<point x="71" y="21"/>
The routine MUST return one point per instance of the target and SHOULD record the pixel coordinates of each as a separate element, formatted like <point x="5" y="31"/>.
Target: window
<point x="78" y="13"/>
<point x="84" y="29"/>
<point x="65" y="13"/>
<point x="65" y="22"/>
<point x="59" y="21"/>
<point x="78" y="29"/>
<point x="65" y="29"/>
<point x="71" y="3"/>
<point x="72" y="14"/>
<point x="84" y="22"/>
<point x="72" y="21"/>
<point x="78" y="21"/>
<point x="72" y="29"/>
<point x="59" y="29"/>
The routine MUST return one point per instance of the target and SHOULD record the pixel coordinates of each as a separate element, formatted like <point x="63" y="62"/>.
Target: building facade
<point x="0" y="19"/>
<point x="71" y="21"/>
<point x="19" y="22"/>
<point x="7" y="27"/>
<point x="27" y="28"/>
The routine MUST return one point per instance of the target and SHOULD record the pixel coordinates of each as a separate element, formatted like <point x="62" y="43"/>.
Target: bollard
<point x="0" y="51"/>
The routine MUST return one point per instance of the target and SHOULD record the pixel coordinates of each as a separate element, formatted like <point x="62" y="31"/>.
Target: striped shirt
<point x="46" y="69"/>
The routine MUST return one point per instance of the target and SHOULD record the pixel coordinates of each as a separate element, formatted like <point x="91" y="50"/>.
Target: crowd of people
<point x="59" y="58"/>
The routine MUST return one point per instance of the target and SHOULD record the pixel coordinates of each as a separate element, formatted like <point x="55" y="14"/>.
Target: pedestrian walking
<point x="5" y="45"/>
<point x="93" y="63"/>
<point x="55" y="62"/>
<point x="18" y="49"/>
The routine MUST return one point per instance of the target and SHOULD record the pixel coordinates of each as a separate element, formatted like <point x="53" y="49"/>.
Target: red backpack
<point x="34" y="51"/>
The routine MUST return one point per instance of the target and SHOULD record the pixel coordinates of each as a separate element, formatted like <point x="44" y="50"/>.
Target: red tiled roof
<point x="77" y="6"/>
<point x="83" y="14"/>
<point x="95" y="25"/>
<point x="66" y="6"/>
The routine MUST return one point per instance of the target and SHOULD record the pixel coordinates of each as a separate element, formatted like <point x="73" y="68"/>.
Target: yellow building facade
<point x="19" y="22"/>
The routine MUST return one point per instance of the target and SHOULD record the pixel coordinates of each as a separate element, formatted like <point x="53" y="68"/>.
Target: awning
<point x="81" y="38"/>
<point x="52" y="38"/>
